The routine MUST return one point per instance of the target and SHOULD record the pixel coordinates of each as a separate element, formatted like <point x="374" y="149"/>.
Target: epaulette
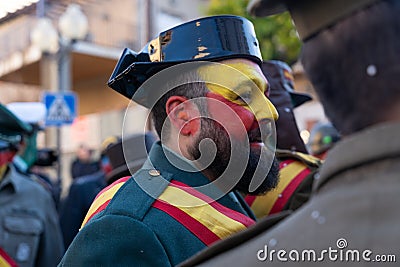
<point x="309" y="160"/>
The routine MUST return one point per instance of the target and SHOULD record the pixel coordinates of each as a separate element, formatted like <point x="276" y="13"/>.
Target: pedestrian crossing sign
<point x="61" y="108"/>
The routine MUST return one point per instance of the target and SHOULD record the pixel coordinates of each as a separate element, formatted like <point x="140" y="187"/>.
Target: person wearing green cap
<point x="323" y="137"/>
<point x="351" y="54"/>
<point x="33" y="113"/>
<point x="30" y="234"/>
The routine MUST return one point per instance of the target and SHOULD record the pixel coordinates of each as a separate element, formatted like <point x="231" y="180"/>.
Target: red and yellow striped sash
<point x="292" y="173"/>
<point x="103" y="198"/>
<point x="6" y="260"/>
<point x="204" y="217"/>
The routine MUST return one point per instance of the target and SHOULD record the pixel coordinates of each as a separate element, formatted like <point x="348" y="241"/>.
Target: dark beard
<point x="215" y="170"/>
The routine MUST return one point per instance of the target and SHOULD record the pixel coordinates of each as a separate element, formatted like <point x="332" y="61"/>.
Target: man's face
<point x="83" y="153"/>
<point x="239" y="121"/>
<point x="240" y="86"/>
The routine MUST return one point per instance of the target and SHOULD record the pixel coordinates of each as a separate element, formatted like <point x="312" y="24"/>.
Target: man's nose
<point x="264" y="109"/>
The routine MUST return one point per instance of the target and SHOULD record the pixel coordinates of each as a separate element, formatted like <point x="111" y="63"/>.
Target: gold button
<point x="154" y="172"/>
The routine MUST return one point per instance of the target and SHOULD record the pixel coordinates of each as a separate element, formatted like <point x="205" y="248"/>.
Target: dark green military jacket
<point x="156" y="218"/>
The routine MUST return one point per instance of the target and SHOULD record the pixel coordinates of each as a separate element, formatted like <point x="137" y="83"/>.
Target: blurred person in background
<point x="323" y="137"/>
<point x="33" y="113"/>
<point x="84" y="164"/>
<point x="81" y="194"/>
<point x="134" y="148"/>
<point x="285" y="98"/>
<point x="29" y="230"/>
<point x="296" y="167"/>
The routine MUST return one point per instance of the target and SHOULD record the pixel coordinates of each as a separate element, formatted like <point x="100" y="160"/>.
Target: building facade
<point x="26" y="72"/>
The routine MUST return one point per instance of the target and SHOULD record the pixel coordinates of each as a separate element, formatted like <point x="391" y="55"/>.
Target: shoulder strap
<point x="103" y="199"/>
<point x="236" y="240"/>
<point x="130" y="196"/>
<point x="207" y="219"/>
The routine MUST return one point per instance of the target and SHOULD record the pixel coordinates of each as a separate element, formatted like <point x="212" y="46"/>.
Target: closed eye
<point x="244" y="98"/>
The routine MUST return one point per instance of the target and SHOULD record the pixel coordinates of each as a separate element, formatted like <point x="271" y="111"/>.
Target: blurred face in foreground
<point x="240" y="124"/>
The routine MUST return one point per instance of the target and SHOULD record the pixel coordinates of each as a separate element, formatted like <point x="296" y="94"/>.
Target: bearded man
<point x="203" y="82"/>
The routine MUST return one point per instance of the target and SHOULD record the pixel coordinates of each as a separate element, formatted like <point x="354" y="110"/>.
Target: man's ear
<point x="183" y="114"/>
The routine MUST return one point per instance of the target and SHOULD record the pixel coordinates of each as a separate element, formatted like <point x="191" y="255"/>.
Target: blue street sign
<point x="61" y="108"/>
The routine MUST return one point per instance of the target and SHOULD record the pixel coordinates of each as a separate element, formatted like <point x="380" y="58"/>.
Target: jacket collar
<point x="372" y="144"/>
<point x="168" y="162"/>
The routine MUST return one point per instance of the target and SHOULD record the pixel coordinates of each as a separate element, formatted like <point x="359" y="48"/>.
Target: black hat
<point x="280" y="77"/>
<point x="128" y="155"/>
<point x="204" y="39"/>
<point x="11" y="128"/>
<point x="310" y="16"/>
<point x="46" y="157"/>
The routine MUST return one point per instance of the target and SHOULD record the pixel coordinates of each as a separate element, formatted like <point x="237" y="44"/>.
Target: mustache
<point x="254" y="135"/>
